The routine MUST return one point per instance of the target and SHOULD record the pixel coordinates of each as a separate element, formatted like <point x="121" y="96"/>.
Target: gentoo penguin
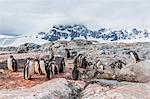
<point x="29" y="69"/>
<point x="75" y="73"/>
<point x="134" y="55"/>
<point x="119" y="64"/>
<point x="102" y="67"/>
<point x="99" y="64"/>
<point x="67" y="53"/>
<point x="84" y="63"/>
<point x="112" y="65"/>
<point x="12" y="64"/>
<point x="63" y="64"/>
<point x="60" y="62"/>
<point x="49" y="71"/>
<point x="37" y="66"/>
<point x="76" y="60"/>
<point x="55" y="69"/>
<point x="43" y="66"/>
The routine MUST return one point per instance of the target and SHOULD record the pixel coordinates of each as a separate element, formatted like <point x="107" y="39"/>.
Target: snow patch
<point x="19" y="40"/>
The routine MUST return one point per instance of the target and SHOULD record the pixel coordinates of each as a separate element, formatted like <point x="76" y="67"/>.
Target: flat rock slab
<point x="130" y="91"/>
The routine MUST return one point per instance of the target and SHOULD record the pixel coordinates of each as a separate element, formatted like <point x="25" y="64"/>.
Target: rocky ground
<point x="12" y="84"/>
<point x="61" y="88"/>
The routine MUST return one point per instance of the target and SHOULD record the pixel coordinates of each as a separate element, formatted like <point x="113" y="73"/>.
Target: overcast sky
<point x="32" y="16"/>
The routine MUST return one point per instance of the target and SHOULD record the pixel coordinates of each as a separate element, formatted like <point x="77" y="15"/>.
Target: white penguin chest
<point x="9" y="64"/>
<point x="36" y="65"/>
<point x="132" y="55"/>
<point x="102" y="67"/>
<point x="42" y="66"/>
<point x="31" y="68"/>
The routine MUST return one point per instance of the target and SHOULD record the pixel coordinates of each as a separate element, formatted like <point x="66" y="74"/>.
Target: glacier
<point x="14" y="41"/>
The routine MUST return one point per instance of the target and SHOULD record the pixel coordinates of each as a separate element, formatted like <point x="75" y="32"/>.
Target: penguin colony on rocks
<point x="41" y="67"/>
<point x="56" y="65"/>
<point x="81" y="62"/>
<point x="49" y="68"/>
<point x="53" y="66"/>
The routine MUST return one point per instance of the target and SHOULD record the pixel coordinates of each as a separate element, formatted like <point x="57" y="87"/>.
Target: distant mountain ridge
<point x="78" y="31"/>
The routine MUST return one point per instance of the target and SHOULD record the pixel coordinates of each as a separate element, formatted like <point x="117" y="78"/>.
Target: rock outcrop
<point x="127" y="91"/>
<point x="27" y="47"/>
<point x="58" y="88"/>
<point x="139" y="72"/>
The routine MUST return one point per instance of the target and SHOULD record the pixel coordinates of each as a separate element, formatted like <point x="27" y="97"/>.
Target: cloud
<point x="31" y="16"/>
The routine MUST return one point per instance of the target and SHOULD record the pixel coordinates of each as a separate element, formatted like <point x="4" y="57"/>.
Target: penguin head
<point x="36" y="59"/>
<point x="41" y="58"/>
<point x="28" y="59"/>
<point x="11" y="56"/>
<point x="31" y="59"/>
<point x="131" y="52"/>
<point x="66" y="49"/>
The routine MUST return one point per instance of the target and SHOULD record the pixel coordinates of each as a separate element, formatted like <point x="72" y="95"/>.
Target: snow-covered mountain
<point x="71" y="32"/>
<point x="77" y="31"/>
<point x="15" y="41"/>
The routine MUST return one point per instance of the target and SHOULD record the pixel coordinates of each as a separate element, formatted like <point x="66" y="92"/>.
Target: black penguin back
<point x="49" y="71"/>
<point x="68" y="53"/>
<point x="75" y="73"/>
<point x="77" y="58"/>
<point x="60" y="62"/>
<point x="24" y="72"/>
<point x="135" y="55"/>
<point x="14" y="65"/>
<point x="55" y="70"/>
<point x="84" y="63"/>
